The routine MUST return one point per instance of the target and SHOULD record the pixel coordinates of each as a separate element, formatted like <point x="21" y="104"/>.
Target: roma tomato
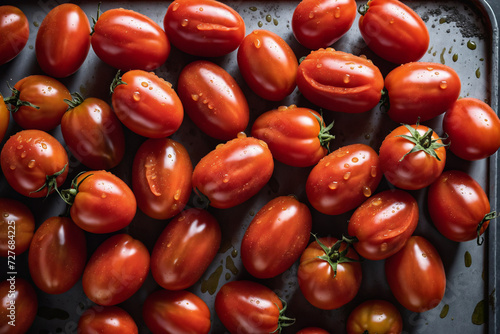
<point x="185" y="249"/>
<point x="116" y="270"/>
<point x="205" y="28"/>
<point x="296" y="136"/>
<point x="375" y="316"/>
<point x="147" y="104"/>
<point x="319" y="24"/>
<point x="412" y="157"/>
<point x="312" y="330"/>
<point x="15" y="31"/>
<point x="18" y="295"/>
<point x="340" y="81"/>
<point x="17" y="225"/>
<point x="213" y="100"/>
<point x="267" y="64"/>
<point x="126" y="40"/>
<point x="63" y="40"/>
<point x="343" y="179"/>
<point x="393" y="31"/>
<point x="108" y="319"/>
<point x="420" y="91"/>
<point x="276" y="237"/>
<point x="4" y="118"/>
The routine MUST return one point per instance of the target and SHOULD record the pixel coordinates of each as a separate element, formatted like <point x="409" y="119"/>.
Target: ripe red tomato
<point x="18" y="305"/>
<point x="204" y="28"/>
<point x="296" y="136"/>
<point x="4" y="118"/>
<point x="343" y="179"/>
<point x="319" y="24"/>
<point x="185" y="249"/>
<point x="375" y="316"/>
<point x="312" y="330"/>
<point x="213" y="100"/>
<point x="34" y="163"/>
<point x="416" y="275"/>
<point x="383" y="224"/>
<point x="15" y="31"/>
<point x="340" y="81"/>
<point x="393" y="31"/>
<point x="17" y="225"/>
<point x="268" y="65"/>
<point x="116" y="270"/>
<point x="108" y="319"/>
<point x="412" y="157"/>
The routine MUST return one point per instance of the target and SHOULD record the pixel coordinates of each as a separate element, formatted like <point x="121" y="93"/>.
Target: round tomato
<point x="340" y="81"/>
<point x="312" y="330"/>
<point x="4" y="118"/>
<point x="15" y="31"/>
<point x="17" y="225"/>
<point x="108" y="319"/>
<point x="375" y="316"/>
<point x="19" y="304"/>
<point x="206" y="28"/>
<point x="267" y="64"/>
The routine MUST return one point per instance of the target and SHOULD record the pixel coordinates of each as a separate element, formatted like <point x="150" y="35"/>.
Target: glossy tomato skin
<point x="213" y="100"/>
<point x="375" y="316"/>
<point x="4" y="118"/>
<point x="340" y="81"/>
<point x="343" y="179"/>
<point x="24" y="302"/>
<point x="312" y="330"/>
<point x="267" y="64"/>
<point x="108" y="319"/>
<point x="17" y="226"/>
<point x="205" y="28"/>
<point x="14" y="28"/>
<point x="185" y="249"/>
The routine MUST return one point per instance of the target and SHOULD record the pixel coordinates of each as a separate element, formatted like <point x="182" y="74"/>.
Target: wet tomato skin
<point x="375" y="316"/>
<point x="14" y="29"/>
<point x="108" y="319"/>
<point x="25" y="301"/>
<point x="4" y="118"/>
<point x="17" y="220"/>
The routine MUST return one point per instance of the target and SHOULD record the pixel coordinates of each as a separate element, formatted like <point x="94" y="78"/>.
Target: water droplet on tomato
<point x="241" y="135"/>
<point x="377" y="201"/>
<point x="225" y="179"/>
<point x="103" y="195"/>
<point x="144" y="84"/>
<point x="282" y="107"/>
<point x="44" y="146"/>
<point x="201" y="9"/>
<point x="19" y="147"/>
<point x="136" y="96"/>
<point x="219" y="145"/>
<point x="430" y="69"/>
<point x="311" y="15"/>
<point x="177" y="195"/>
<point x="210" y="106"/>
<point x="12" y="167"/>
<point x="319" y="65"/>
<point x="347" y="78"/>
<point x="391" y="21"/>
<point x="175" y="6"/>
<point x="354" y="159"/>
<point x="195" y="97"/>
<point x="347" y="175"/>
<point x="367" y="192"/>
<point x="205" y="101"/>
<point x="23" y="154"/>
<point x="443" y="84"/>
<point x="333" y="185"/>
<point x="184" y="22"/>
<point x="257" y="43"/>
<point x="373" y="171"/>
<point x="346" y="165"/>
<point x="31" y="164"/>
<point x="336" y="13"/>
<point x="383" y="246"/>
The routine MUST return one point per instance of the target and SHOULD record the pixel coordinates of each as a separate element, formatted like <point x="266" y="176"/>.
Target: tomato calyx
<point x="324" y="135"/>
<point x="333" y="255"/>
<point x="117" y="81"/>
<point x="201" y="201"/>
<point x="487" y="217"/>
<point x="68" y="195"/>
<point x="51" y="182"/>
<point x="16" y="102"/>
<point x="76" y="101"/>
<point x="283" y="320"/>
<point x="385" y="103"/>
<point x="422" y="142"/>
<point x="94" y="21"/>
<point x="363" y="8"/>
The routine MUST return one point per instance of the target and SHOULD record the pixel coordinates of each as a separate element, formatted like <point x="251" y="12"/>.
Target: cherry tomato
<point x="15" y="31"/>
<point x="107" y="319"/>
<point x="4" y="118"/>
<point x="17" y="226"/>
<point x="375" y="316"/>
<point x="416" y="275"/>
<point x="340" y="81"/>
<point x="312" y="330"/>
<point x="116" y="270"/>
<point x="213" y="99"/>
<point x="18" y="305"/>
<point x="276" y="237"/>
<point x="204" y="28"/>
<point x="267" y="64"/>
<point x="343" y="179"/>
<point x="185" y="249"/>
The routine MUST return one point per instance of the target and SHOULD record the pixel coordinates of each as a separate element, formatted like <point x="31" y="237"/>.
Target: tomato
<point x="18" y="305"/>
<point x="17" y="225"/>
<point x="296" y="136"/>
<point x="116" y="270"/>
<point x="416" y="275"/>
<point x="267" y="64"/>
<point x="213" y="99"/>
<point x="318" y="24"/>
<point x="108" y="319"/>
<point x="329" y="273"/>
<point x="473" y="129"/>
<point x="34" y="163"/>
<point x="185" y="249"/>
<point x="393" y="31"/>
<point x="312" y="330"/>
<point x="63" y="40"/>
<point x="4" y="118"/>
<point x="340" y="81"/>
<point x="168" y="312"/>
<point x="38" y="102"/>
<point x="147" y="104"/>
<point x="383" y="224"/>
<point x="15" y="31"/>
<point x="343" y="179"/>
<point x="276" y="237"/>
<point x="126" y="40"/>
<point x="420" y="91"/>
<point x="412" y="157"/>
<point x="204" y="28"/>
<point x="57" y="255"/>
<point x="375" y="316"/>
<point x="233" y="172"/>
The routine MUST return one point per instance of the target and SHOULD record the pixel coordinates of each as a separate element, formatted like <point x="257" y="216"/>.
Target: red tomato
<point x="17" y="225"/>
<point x="268" y="65"/>
<point x="383" y="224"/>
<point x="128" y="40"/>
<point x="375" y="316"/>
<point x="276" y="237"/>
<point x="393" y="31"/>
<point x="185" y="249"/>
<point x="34" y="163"/>
<point x="343" y="179"/>
<point x="57" y="255"/>
<point x="204" y="28"/>
<point x="147" y="104"/>
<point x="213" y="100"/>
<point x="312" y="330"/>
<point x="116" y="270"/>
<point x="420" y="91"/>
<point x="412" y="157"/>
<point x="233" y="172"/>
<point x="169" y="312"/>
<point x="18" y="305"/>
<point x="296" y="136"/>
<point x="4" y="118"/>
<point x="63" y="40"/>
<point x="15" y="31"/>
<point x="340" y="81"/>
<point x="473" y="129"/>
<point x="318" y="24"/>
<point x="416" y="275"/>
<point x="108" y="319"/>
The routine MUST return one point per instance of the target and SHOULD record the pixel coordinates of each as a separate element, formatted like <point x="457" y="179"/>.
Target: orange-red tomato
<point x="4" y="118"/>
<point x="107" y="319"/>
<point x="17" y="225"/>
<point x="375" y="316"/>
<point x="15" y="31"/>
<point x="19" y="304"/>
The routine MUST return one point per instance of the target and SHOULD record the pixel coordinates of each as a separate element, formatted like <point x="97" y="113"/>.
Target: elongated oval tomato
<point x="15" y="31"/>
<point x="17" y="225"/>
<point x="108" y="319"/>
<point x="4" y="118"/>
<point x="204" y="28"/>
<point x="375" y="316"/>
<point x="24" y="301"/>
<point x="340" y="81"/>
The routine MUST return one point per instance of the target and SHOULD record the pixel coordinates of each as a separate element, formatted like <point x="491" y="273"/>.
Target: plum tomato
<point x="18" y="294"/>
<point x="4" y="118"/>
<point x="17" y="225"/>
<point x="375" y="316"/>
<point x="15" y="31"/>
<point x="106" y="319"/>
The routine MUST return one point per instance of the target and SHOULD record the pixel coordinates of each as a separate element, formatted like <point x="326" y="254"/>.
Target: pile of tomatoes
<point x="138" y="167"/>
